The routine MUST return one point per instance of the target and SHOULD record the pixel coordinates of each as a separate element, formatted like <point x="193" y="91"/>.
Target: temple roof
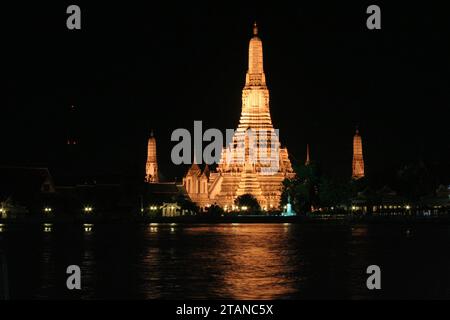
<point x="194" y="169"/>
<point x="206" y="171"/>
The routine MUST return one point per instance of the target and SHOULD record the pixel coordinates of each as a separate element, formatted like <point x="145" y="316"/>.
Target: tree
<point x="415" y="181"/>
<point x="333" y="193"/>
<point x="187" y="204"/>
<point x="248" y="201"/>
<point x="303" y="189"/>
<point x="215" y="211"/>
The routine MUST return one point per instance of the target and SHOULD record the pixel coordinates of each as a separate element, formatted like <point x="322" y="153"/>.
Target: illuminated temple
<point x="151" y="166"/>
<point x="358" y="161"/>
<point x="253" y="162"/>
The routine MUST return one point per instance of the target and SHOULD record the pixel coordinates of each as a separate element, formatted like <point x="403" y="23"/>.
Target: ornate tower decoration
<point x="358" y="162"/>
<point x="151" y="167"/>
<point x="307" y="162"/>
<point x="253" y="162"/>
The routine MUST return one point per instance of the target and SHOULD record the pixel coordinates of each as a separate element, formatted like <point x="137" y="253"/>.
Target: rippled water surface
<point x="230" y="261"/>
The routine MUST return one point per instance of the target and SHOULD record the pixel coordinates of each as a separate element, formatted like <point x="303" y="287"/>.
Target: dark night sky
<point x="133" y="67"/>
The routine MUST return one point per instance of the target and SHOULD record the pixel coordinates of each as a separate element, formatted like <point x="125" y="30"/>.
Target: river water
<point x="227" y="261"/>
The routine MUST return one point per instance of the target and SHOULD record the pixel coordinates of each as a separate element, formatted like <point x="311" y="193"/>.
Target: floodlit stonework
<point x="254" y="162"/>
<point x="151" y="167"/>
<point x="358" y="161"/>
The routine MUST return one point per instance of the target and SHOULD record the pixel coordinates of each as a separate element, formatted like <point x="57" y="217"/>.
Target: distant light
<point x="407" y="207"/>
<point x="48" y="209"/>
<point x="244" y="208"/>
<point x="47" y="227"/>
<point x="2" y="210"/>
<point x="88" y="209"/>
<point x="353" y="208"/>
<point x="87" y="227"/>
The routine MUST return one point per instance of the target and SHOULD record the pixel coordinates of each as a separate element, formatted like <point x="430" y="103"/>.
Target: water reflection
<point x="220" y="261"/>
<point x="253" y="267"/>
<point x="225" y="261"/>
<point x="359" y="231"/>
<point x="48" y="227"/>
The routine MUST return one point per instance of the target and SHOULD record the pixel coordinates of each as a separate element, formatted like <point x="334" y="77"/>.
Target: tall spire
<point x="253" y="161"/>
<point x="307" y="155"/>
<point x="358" y="161"/>
<point x="255" y="95"/>
<point x="255" y="29"/>
<point x="151" y="167"/>
<point x="255" y="74"/>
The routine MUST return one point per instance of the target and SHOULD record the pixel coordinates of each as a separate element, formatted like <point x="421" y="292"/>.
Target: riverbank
<point x="442" y="219"/>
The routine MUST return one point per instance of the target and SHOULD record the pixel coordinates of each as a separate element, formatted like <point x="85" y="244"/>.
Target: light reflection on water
<point x="48" y="227"/>
<point x="88" y="227"/>
<point x="227" y="261"/>
<point x="254" y="268"/>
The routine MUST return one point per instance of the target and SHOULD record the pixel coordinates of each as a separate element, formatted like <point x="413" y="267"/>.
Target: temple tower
<point x="151" y="167"/>
<point x="254" y="161"/>
<point x="358" y="161"/>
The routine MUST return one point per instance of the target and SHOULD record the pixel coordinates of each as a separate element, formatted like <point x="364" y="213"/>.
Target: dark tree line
<point x="312" y="189"/>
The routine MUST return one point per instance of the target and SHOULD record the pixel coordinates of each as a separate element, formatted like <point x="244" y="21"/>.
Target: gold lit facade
<point x="358" y="161"/>
<point x="151" y="166"/>
<point x="254" y="161"/>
